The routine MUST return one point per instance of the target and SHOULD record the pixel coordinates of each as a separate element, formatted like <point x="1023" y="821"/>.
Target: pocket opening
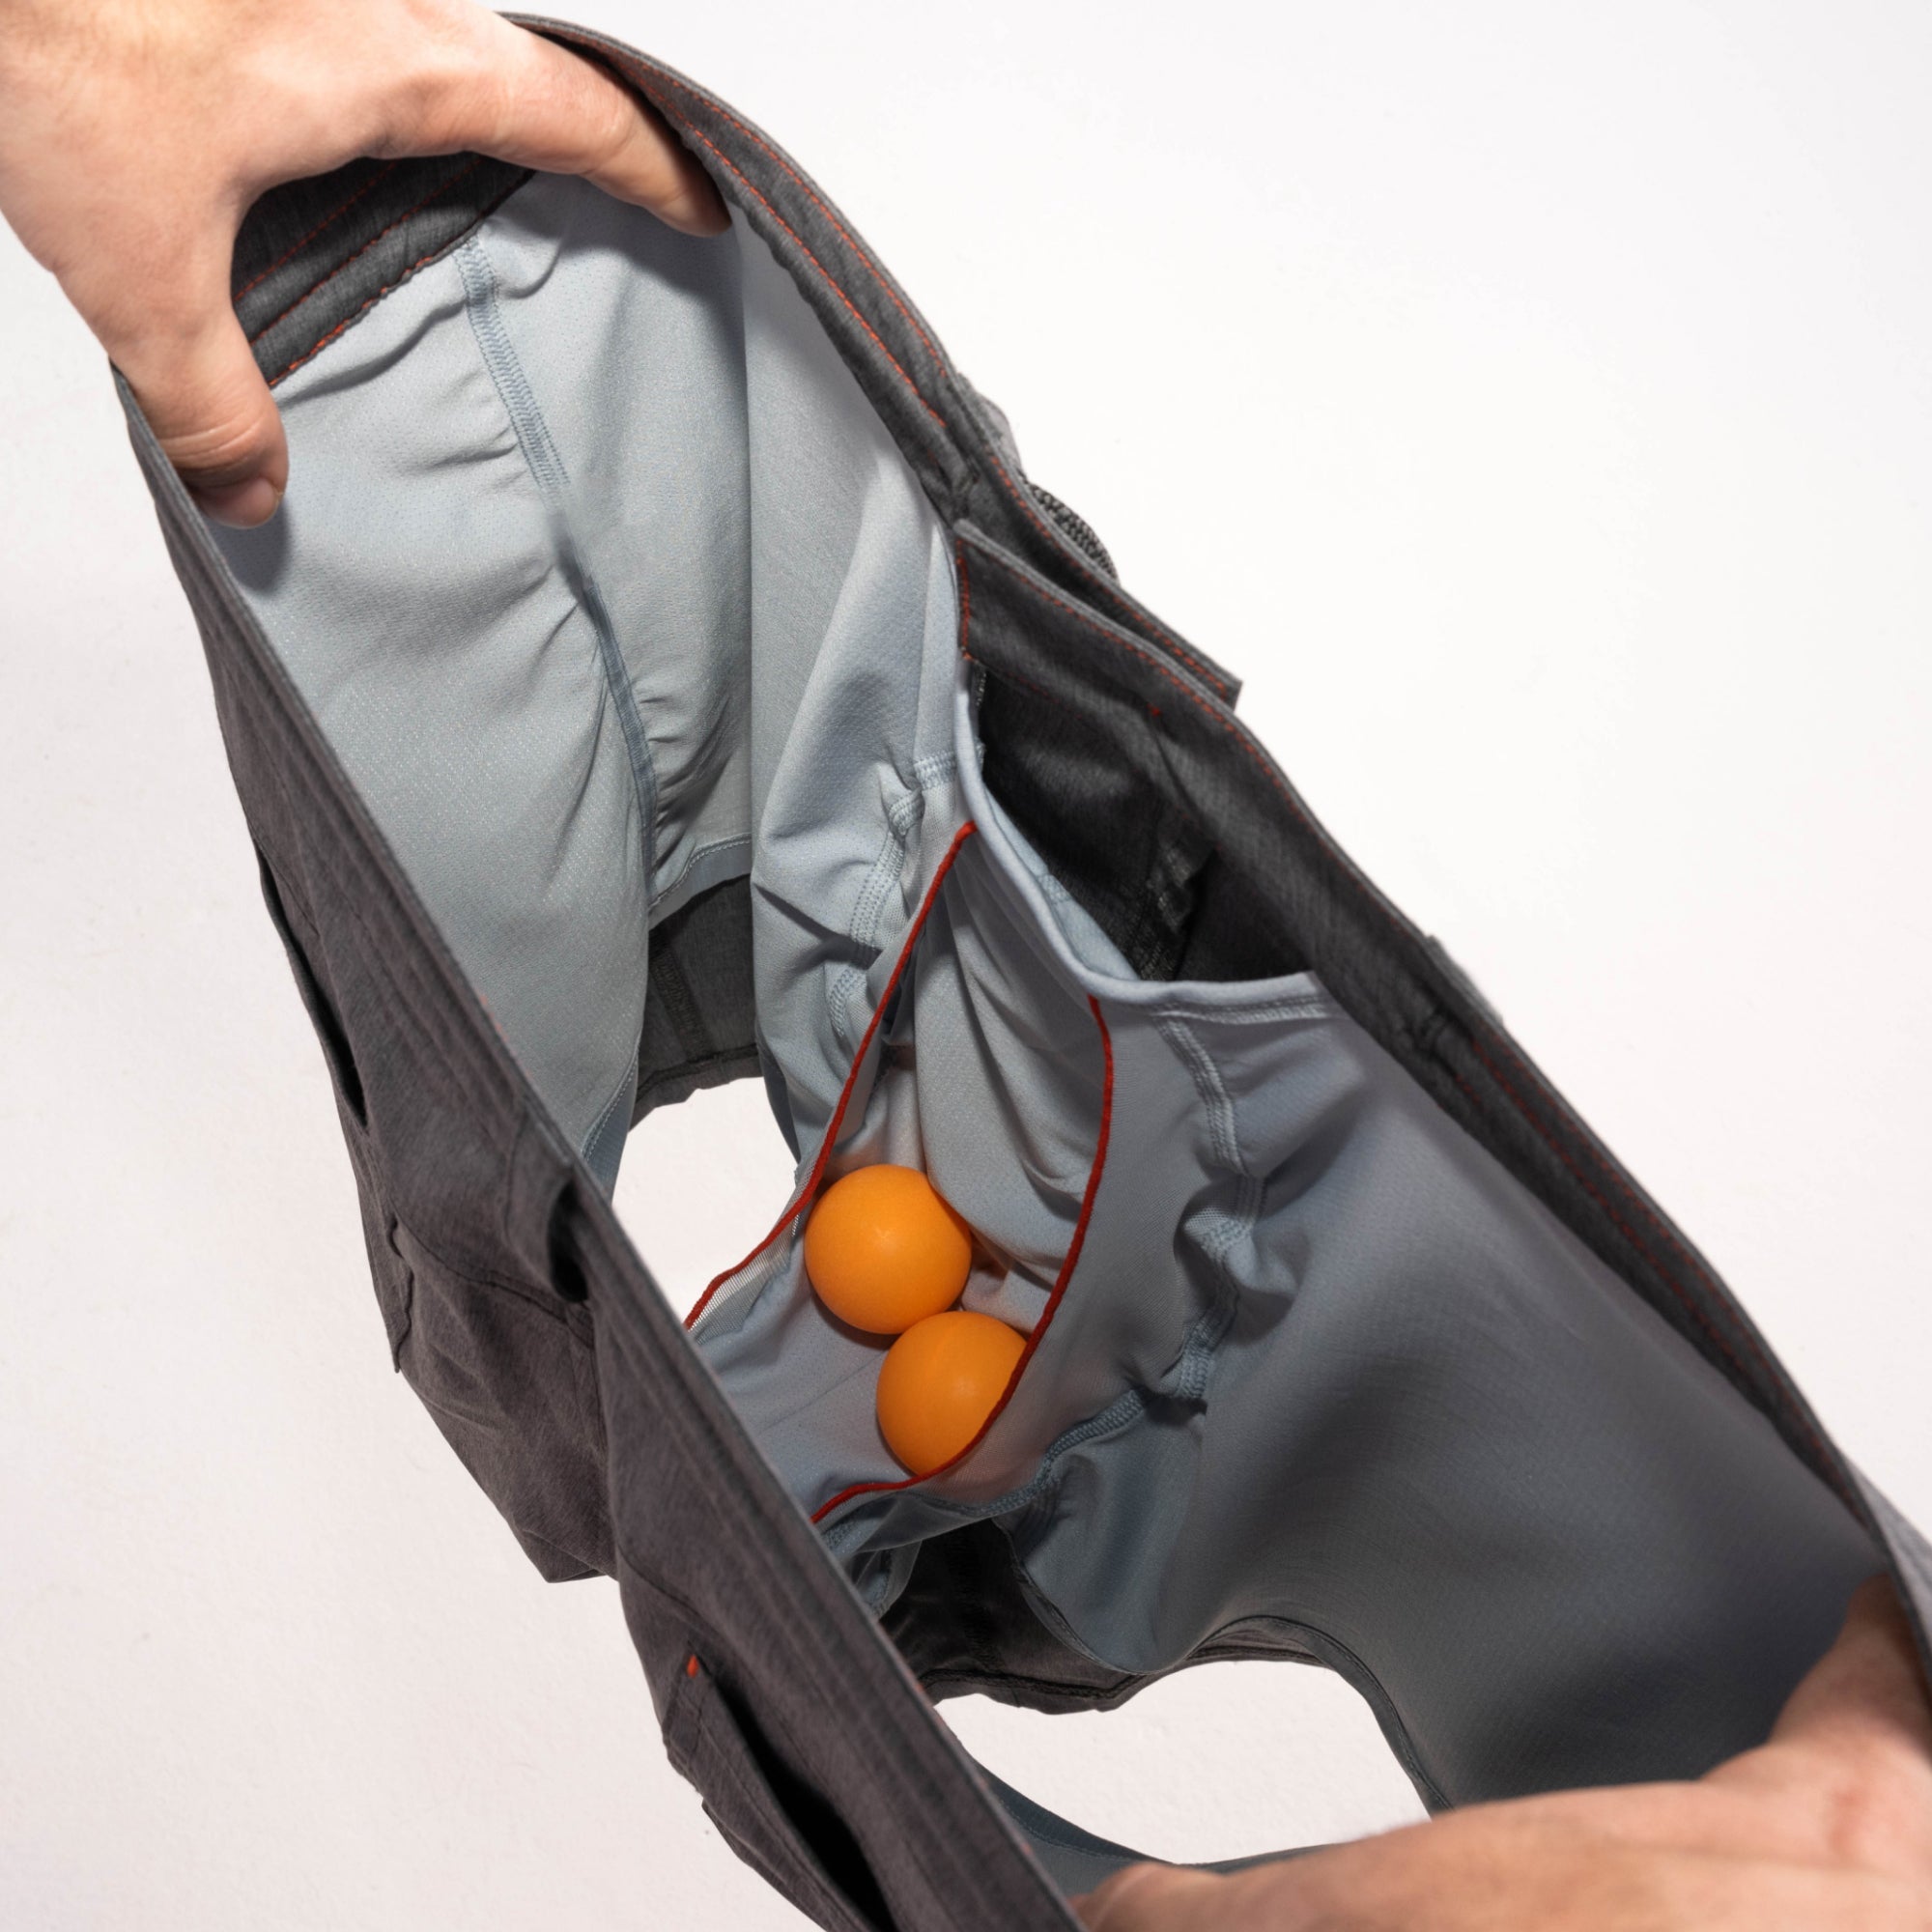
<point x="327" y="1023"/>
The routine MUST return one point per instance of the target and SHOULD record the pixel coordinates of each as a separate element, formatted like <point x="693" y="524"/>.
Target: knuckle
<point x="223" y="448"/>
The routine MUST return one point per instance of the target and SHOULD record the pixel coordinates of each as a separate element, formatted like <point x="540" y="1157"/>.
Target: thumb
<point x="524" y="98"/>
<point x="195" y="378"/>
<point x="1866" y="1689"/>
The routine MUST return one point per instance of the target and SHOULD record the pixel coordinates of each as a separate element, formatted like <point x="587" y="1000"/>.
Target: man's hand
<point x="1827" y="1827"/>
<point x="134" y="134"/>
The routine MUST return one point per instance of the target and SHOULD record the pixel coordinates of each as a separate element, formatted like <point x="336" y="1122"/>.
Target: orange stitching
<point x="315" y="348"/>
<point x="1097" y="578"/>
<point x="407" y="214"/>
<point x="724" y="161"/>
<point x="282" y="260"/>
<point x="1175" y="644"/>
<point x="851" y="242"/>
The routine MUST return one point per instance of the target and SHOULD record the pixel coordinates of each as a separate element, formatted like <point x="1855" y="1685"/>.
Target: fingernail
<point x="239" y="505"/>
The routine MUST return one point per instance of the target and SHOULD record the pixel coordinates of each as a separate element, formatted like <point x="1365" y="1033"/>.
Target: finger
<point x="526" y="99"/>
<point x="1152" y="1899"/>
<point x="195" y="378"/>
<point x="1868" y="1688"/>
<point x="1849" y="1765"/>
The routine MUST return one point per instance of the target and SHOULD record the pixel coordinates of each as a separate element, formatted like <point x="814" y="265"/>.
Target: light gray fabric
<point x="607" y="585"/>
<point x="516" y="579"/>
<point x="1322" y="1362"/>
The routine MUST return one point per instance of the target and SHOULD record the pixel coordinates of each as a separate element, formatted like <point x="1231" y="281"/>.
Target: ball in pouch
<point x="940" y="1382"/>
<point x="882" y="1250"/>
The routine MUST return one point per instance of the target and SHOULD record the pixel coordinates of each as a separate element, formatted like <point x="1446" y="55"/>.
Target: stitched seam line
<point x="619" y="1093"/>
<point x="703" y="856"/>
<point x="316" y="348"/>
<point x="863" y="255"/>
<point x="830" y="1135"/>
<point x="547" y="470"/>
<point x="1125" y="1408"/>
<point x="903" y="818"/>
<point x="408" y="214"/>
<point x="724" y="161"/>
<point x="1195" y="1366"/>
<point x="1057" y="537"/>
<point x="1774" y="1391"/>
<point x="1053" y="1300"/>
<point x="553" y="480"/>
<point x="327" y="221"/>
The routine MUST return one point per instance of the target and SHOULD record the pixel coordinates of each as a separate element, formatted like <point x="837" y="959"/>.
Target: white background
<point x="1531" y="401"/>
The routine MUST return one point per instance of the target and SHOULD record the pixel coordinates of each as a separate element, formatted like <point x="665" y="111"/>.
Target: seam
<point x="725" y="1056"/>
<point x="553" y="480"/>
<point x="702" y="856"/>
<point x="546" y="1304"/>
<point x="829" y="1138"/>
<point x="316" y="348"/>
<point x="282" y="260"/>
<point x="1343" y="1660"/>
<point x="1020" y="497"/>
<point x="1195" y="1366"/>
<point x="724" y="161"/>
<point x="1102" y="1851"/>
<point x="618" y="1095"/>
<point x="1125" y="1408"/>
<point x="1053" y="1300"/>
<point x="863" y="255"/>
<point x="547" y="470"/>
<point x="903" y="818"/>
<point x="1773" y="1389"/>
<point x="976" y="1678"/>
<point x="1315" y="1005"/>
<point x="408" y="214"/>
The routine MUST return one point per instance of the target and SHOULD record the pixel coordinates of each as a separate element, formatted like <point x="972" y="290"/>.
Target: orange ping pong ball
<point x="884" y="1251"/>
<point x="940" y="1382"/>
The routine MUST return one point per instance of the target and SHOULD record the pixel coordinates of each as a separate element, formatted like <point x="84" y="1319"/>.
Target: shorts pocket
<point x="769" y="1812"/>
<point x="512" y="1383"/>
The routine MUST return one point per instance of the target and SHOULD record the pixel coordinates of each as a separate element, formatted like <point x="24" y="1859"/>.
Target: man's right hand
<point x="1827" y="1827"/>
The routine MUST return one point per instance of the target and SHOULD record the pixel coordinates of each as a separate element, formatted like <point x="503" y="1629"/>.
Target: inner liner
<point x="610" y="589"/>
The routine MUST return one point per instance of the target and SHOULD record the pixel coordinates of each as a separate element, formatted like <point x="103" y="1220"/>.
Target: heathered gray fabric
<point x="309" y="263"/>
<point x="1299" y="1396"/>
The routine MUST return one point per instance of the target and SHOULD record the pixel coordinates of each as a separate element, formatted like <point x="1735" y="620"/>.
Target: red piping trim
<point x="1053" y="1300"/>
<point x="1058" y="538"/>
<point x="724" y="161"/>
<point x="831" y="1136"/>
<point x="1771" y="1381"/>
